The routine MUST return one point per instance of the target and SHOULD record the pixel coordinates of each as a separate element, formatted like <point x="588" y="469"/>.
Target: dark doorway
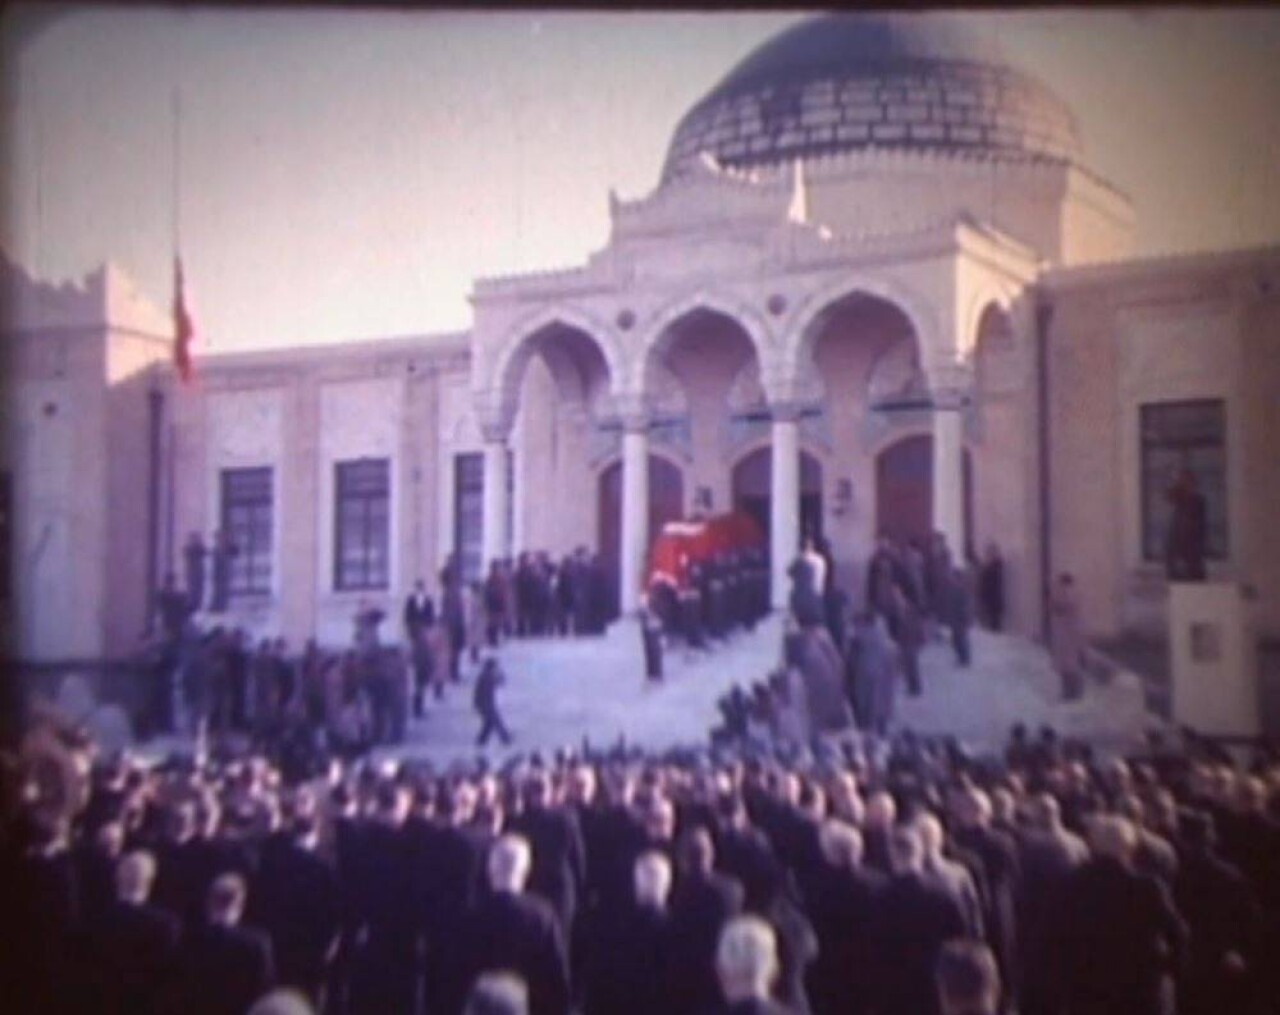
<point x="752" y="478"/>
<point x="666" y="504"/>
<point x="904" y="491"/>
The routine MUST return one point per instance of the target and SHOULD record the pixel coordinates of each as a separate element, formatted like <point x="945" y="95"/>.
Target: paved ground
<point x="561" y="691"/>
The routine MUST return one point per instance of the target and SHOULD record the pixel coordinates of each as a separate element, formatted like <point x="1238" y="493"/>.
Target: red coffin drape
<point x="688" y="542"/>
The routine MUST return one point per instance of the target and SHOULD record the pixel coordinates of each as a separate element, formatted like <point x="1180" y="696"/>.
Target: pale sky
<point x="348" y="174"/>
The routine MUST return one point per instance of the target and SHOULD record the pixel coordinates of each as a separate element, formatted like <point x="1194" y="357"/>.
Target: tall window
<point x="468" y="513"/>
<point x="1176" y="436"/>
<point x="246" y="519"/>
<point x="6" y="536"/>
<point x="362" y="524"/>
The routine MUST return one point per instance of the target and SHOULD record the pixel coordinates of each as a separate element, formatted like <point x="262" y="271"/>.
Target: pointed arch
<point x="803" y="324"/>
<point x="522" y="340"/>
<point x="723" y="304"/>
<point x="990" y="294"/>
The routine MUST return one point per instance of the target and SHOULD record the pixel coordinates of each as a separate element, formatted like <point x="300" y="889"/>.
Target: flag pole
<point x="176" y="166"/>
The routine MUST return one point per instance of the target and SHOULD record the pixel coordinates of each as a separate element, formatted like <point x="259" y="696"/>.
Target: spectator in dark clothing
<point x="916" y="918"/>
<point x="997" y="854"/>
<point x="745" y="854"/>
<point x="297" y="903"/>
<point x="702" y="903"/>
<point x="132" y="945"/>
<point x="968" y="980"/>
<point x="559" y="865"/>
<point x="1120" y="936"/>
<point x="746" y="965"/>
<point x="1219" y="905"/>
<point x="223" y="967"/>
<point x="1047" y="855"/>
<point x="453" y="861"/>
<point x="96" y="862"/>
<point x="384" y="975"/>
<point x="511" y="930"/>
<point x="844" y="902"/>
<point x="498" y="994"/>
<point x="627" y="970"/>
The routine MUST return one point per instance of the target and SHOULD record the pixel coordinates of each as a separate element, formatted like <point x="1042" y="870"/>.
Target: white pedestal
<point x="1215" y="666"/>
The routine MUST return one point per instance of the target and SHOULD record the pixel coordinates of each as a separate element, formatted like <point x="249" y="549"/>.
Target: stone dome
<point x="848" y="82"/>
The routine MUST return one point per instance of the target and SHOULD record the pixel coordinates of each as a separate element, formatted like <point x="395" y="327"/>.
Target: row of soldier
<point x="715" y="596"/>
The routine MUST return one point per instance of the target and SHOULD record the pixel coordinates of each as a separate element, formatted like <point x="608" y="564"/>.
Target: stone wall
<point x="1190" y="328"/>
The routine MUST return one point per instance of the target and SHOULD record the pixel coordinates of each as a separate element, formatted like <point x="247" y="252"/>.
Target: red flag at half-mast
<point x="183" y="329"/>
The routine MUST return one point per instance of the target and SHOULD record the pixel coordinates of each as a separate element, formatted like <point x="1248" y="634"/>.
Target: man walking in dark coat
<point x="1121" y="937"/>
<point x="485" y="700"/>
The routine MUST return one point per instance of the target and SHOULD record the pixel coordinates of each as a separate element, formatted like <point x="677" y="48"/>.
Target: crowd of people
<point x="863" y="877"/>
<point x="211" y="678"/>
<point x="842" y="668"/>
<point x="535" y="596"/>
<point x="790" y="866"/>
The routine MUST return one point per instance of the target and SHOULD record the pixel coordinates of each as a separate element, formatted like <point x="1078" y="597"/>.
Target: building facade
<point x="877" y="290"/>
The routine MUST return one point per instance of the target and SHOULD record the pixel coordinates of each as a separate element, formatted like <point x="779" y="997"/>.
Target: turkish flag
<point x="184" y="331"/>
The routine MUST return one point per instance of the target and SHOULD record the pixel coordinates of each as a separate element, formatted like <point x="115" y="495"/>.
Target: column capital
<point x="494" y="415"/>
<point x="950" y="385"/>
<point x="632" y="410"/>
<point x="950" y="399"/>
<point x="785" y="411"/>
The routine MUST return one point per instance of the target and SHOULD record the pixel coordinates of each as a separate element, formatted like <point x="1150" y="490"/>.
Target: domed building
<point x="837" y="258"/>
<point x="877" y="291"/>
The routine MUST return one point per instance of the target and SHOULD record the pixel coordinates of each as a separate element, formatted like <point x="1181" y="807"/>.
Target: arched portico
<point x="703" y="341"/>
<point x="812" y="314"/>
<point x="875" y="342"/>
<point x="663" y="330"/>
<point x="582" y="361"/>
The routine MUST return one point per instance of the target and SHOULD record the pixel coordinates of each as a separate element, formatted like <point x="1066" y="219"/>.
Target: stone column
<point x="635" y="512"/>
<point x="784" y="500"/>
<point x="948" y="470"/>
<point x="494" y="537"/>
